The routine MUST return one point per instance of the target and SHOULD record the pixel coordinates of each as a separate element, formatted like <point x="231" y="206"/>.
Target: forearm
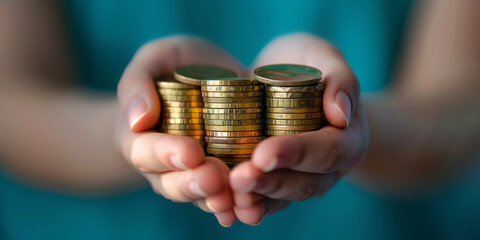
<point x="426" y="126"/>
<point x="62" y="140"/>
<point x="412" y="148"/>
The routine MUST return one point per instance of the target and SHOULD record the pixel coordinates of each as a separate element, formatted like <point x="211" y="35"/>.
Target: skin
<point x="36" y="83"/>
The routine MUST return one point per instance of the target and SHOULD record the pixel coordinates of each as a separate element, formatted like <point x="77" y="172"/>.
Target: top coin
<point x="194" y="74"/>
<point x="288" y="75"/>
<point x="168" y="82"/>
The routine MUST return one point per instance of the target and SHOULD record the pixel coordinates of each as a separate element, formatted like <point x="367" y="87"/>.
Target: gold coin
<point x="283" y="133"/>
<point x="233" y="122"/>
<point x="181" y="127"/>
<point x="233" y="156"/>
<point x="232" y="146"/>
<point x="234" y="105"/>
<point x="295" y="128"/>
<point x="232" y="94"/>
<point x="319" y="87"/>
<point x="230" y="82"/>
<point x="180" y="92"/>
<point x="232" y="111"/>
<point x="198" y="138"/>
<point x="170" y="83"/>
<point x="294" y="110"/>
<point x="182" y="104"/>
<point x="232" y="100"/>
<point x="290" y="116"/>
<point x="194" y="98"/>
<point x="251" y="88"/>
<point x="194" y="74"/>
<point x="294" y="94"/>
<point x="234" y="139"/>
<point x="229" y="151"/>
<point x="232" y="116"/>
<point x="294" y="122"/>
<point x="234" y="128"/>
<point x="293" y="103"/>
<point x="230" y="165"/>
<point x="183" y="120"/>
<point x="185" y="132"/>
<point x="182" y="115"/>
<point x="233" y="134"/>
<point x="288" y="75"/>
<point x="234" y="160"/>
<point x="182" y="109"/>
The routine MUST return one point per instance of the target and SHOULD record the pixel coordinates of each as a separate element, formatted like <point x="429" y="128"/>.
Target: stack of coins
<point x="233" y="118"/>
<point x="293" y="98"/>
<point x="182" y="103"/>
<point x="182" y="107"/>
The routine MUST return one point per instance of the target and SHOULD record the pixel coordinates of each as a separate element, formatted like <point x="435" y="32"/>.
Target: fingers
<point x="218" y="203"/>
<point x="222" y="203"/>
<point x="273" y="205"/>
<point x="227" y="218"/>
<point x="327" y="150"/>
<point x="280" y="184"/>
<point x="136" y="91"/>
<point x="251" y="215"/>
<point x="242" y="178"/>
<point x="188" y="185"/>
<point x="293" y="185"/>
<point x="243" y="200"/>
<point x="153" y="152"/>
<point x="341" y="94"/>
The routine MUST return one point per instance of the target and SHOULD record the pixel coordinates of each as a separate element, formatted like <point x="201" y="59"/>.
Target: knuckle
<point x="335" y="50"/>
<point x="273" y="189"/>
<point x="149" y="47"/>
<point x="136" y="160"/>
<point x="160" y="189"/>
<point x="332" y="160"/>
<point x="307" y="192"/>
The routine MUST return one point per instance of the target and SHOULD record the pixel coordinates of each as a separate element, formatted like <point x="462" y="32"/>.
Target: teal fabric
<point x="106" y="34"/>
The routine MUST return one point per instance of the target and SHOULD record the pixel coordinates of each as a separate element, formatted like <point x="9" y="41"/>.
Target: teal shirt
<point x="106" y="34"/>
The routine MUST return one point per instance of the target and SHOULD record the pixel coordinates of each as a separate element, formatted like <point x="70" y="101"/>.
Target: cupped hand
<point x="299" y="167"/>
<point x="175" y="166"/>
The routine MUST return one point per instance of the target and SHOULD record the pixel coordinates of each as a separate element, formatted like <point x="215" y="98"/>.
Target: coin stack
<point x="233" y="118"/>
<point x="293" y="98"/>
<point x="182" y="107"/>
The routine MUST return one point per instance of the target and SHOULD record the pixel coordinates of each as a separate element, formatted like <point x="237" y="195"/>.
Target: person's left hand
<point x="299" y="167"/>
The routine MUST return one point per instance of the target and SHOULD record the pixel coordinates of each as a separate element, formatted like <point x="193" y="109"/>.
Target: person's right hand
<point x="175" y="166"/>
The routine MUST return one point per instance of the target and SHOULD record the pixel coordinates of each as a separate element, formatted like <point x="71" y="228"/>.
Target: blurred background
<point x="100" y="39"/>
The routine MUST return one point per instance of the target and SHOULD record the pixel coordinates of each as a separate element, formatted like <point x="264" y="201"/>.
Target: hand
<point x="175" y="166"/>
<point x="299" y="167"/>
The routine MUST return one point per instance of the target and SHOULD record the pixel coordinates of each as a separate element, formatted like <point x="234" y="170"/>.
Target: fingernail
<point x="271" y="166"/>
<point x="250" y="187"/>
<point x="177" y="161"/>
<point x="136" y="111"/>
<point x="256" y="224"/>
<point x="209" y="206"/>
<point x="224" y="225"/>
<point x="344" y="106"/>
<point x="196" y="189"/>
